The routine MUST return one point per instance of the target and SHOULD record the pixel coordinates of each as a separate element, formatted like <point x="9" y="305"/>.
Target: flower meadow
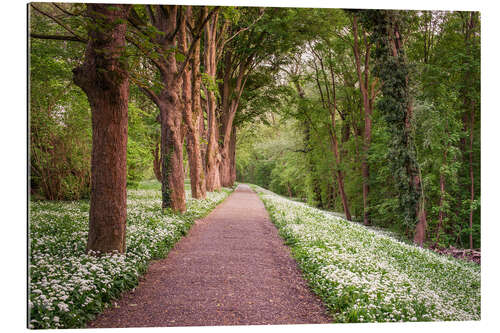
<point x="68" y="287"/>
<point x="363" y="275"/>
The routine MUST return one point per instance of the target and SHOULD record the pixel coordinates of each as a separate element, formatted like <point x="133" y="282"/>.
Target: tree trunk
<point x="420" y="229"/>
<point x="470" y="27"/>
<point x="173" y="194"/>
<point x="231" y="98"/>
<point x="331" y="104"/>
<point x="104" y="78"/>
<point x="191" y="92"/>
<point x="232" y="155"/>
<point x="415" y="180"/>
<point x="394" y="42"/>
<point x="471" y="174"/>
<point x="441" y="202"/>
<point x="204" y="140"/>
<point x="333" y="136"/>
<point x="367" y="105"/>
<point x="316" y="191"/>
<point x="289" y="190"/>
<point x="338" y="171"/>
<point x="212" y="154"/>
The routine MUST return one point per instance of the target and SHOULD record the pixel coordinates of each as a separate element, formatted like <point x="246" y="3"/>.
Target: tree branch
<point x="305" y="150"/>
<point x="151" y="14"/>
<point x="147" y="53"/>
<point x="58" y="21"/>
<point x="67" y="12"/>
<point x="244" y="29"/>
<point x="148" y="91"/>
<point x="58" y="37"/>
<point x="193" y="42"/>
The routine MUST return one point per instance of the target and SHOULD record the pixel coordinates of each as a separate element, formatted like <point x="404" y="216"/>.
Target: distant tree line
<point x="379" y="119"/>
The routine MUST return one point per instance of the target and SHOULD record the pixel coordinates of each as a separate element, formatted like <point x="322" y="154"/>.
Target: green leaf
<point x="180" y="57"/>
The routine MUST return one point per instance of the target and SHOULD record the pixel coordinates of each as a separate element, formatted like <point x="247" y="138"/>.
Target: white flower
<point x="63" y="307"/>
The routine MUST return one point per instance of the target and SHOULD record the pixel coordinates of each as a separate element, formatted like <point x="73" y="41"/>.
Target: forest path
<point x="231" y="269"/>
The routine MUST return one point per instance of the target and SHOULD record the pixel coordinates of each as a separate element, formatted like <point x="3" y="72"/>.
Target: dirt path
<point x="231" y="269"/>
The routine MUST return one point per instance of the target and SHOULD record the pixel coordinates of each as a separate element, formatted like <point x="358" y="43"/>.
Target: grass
<point x="67" y="287"/>
<point x="364" y="275"/>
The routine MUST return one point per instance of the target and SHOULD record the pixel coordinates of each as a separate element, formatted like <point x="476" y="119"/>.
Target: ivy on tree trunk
<point x="396" y="106"/>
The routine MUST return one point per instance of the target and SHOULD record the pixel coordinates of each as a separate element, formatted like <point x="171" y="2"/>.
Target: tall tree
<point x="397" y="106"/>
<point x="368" y="94"/>
<point x="168" y="101"/>
<point x="210" y="62"/>
<point x="192" y="109"/>
<point x="328" y="95"/>
<point x="158" y="28"/>
<point x="469" y="95"/>
<point x="104" y="78"/>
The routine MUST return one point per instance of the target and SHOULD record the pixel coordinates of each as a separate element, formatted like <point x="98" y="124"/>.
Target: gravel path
<point x="231" y="269"/>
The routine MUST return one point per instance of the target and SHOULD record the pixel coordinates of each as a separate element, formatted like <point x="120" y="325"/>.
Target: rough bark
<point x="204" y="139"/>
<point x="164" y="18"/>
<point x="232" y="155"/>
<point x="231" y="98"/>
<point x="169" y="20"/>
<point x="190" y="89"/>
<point x="212" y="154"/>
<point x="173" y="194"/>
<point x="104" y="78"/>
<point x="421" y="227"/>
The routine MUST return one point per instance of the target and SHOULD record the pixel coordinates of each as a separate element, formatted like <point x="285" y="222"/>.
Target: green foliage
<point x="298" y="157"/>
<point x="139" y="143"/>
<point x="211" y="83"/>
<point x="394" y="73"/>
<point x="60" y="135"/>
<point x="231" y="13"/>
<point x="283" y="123"/>
<point x="449" y="82"/>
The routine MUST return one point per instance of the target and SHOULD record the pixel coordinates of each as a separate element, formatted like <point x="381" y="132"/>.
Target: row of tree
<point x="394" y="97"/>
<point x="191" y="63"/>
<point x="375" y="113"/>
